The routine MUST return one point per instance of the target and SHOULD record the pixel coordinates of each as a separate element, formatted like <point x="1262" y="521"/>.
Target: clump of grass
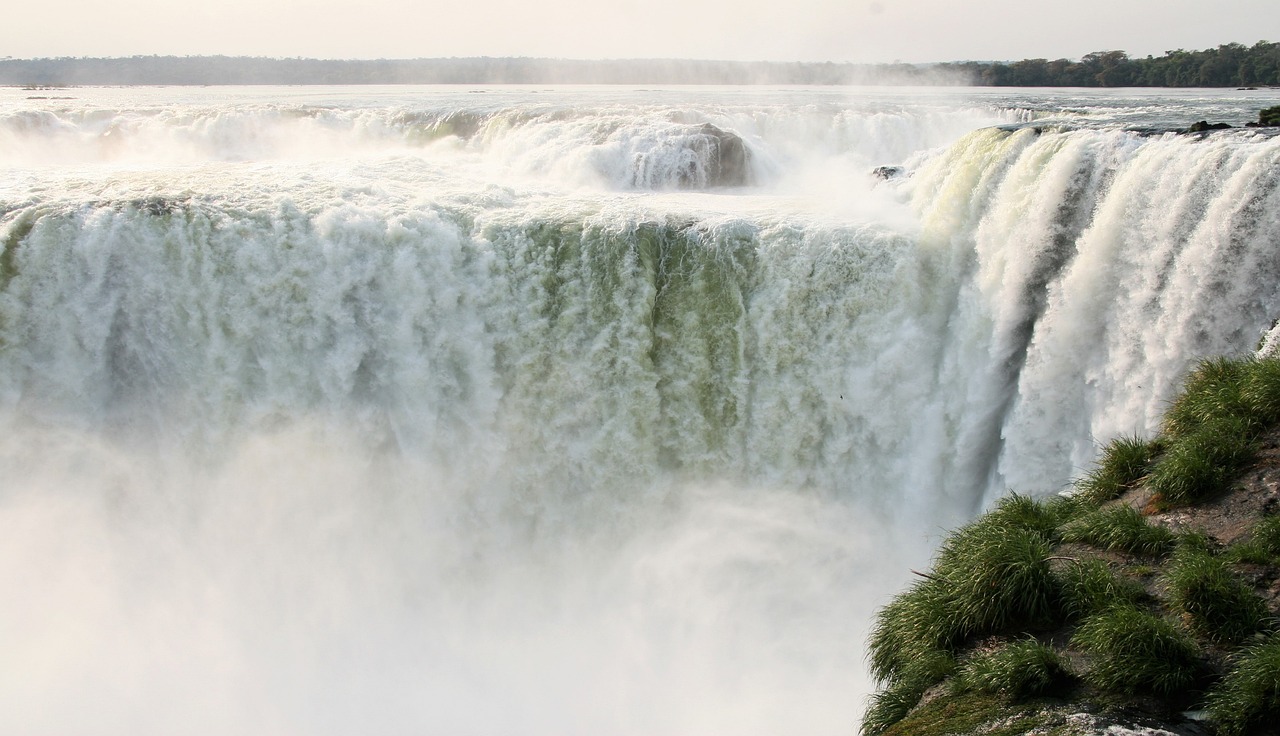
<point x="990" y="577"/>
<point x="1124" y="462"/>
<point x="913" y="625"/>
<point x="1019" y="670"/>
<point x="1249" y="694"/>
<point x="1204" y="462"/>
<point x="1120" y="529"/>
<point x="891" y="704"/>
<point x="1260" y="391"/>
<point x="1262" y="546"/>
<point x="1135" y="652"/>
<point x="999" y="578"/>
<point x="1089" y="587"/>
<point x="1211" y="392"/>
<point x="1016" y="511"/>
<point x="1215" y="603"/>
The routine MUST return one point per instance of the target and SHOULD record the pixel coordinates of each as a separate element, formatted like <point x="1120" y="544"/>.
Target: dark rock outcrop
<point x="730" y="162"/>
<point x="1204" y="125"/>
<point x="888" y="172"/>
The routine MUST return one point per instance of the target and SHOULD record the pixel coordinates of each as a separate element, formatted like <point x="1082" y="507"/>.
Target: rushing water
<point x="518" y="411"/>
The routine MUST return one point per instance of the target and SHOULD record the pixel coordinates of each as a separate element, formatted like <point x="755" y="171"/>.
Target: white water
<point x="316" y="417"/>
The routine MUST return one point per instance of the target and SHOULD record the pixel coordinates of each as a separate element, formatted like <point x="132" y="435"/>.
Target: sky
<point x="864" y="31"/>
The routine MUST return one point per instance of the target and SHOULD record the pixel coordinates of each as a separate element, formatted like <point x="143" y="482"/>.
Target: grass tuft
<point x="1211" y="392"/>
<point x="1019" y="670"/>
<point x="1123" y="464"/>
<point x="990" y="577"/>
<point x="1089" y="588"/>
<point x="1120" y="529"/>
<point x="1134" y="652"/>
<point x="913" y="625"/>
<point x="1215" y="603"/>
<point x="1260" y="391"/>
<point x="1262" y="546"/>
<point x="999" y="578"/>
<point x="1249" y="695"/>
<point x="1204" y="462"/>
<point x="1023" y="512"/>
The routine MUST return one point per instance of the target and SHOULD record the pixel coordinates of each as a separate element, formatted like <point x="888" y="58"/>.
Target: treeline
<point x="201" y="70"/>
<point x="1230" y="65"/>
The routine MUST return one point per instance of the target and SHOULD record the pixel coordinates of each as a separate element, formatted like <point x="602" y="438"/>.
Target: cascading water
<point x="439" y="412"/>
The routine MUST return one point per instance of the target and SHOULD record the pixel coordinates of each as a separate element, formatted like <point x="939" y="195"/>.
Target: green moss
<point x="893" y="703"/>
<point x="963" y="714"/>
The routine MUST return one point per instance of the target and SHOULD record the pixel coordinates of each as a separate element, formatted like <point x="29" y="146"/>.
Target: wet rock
<point x="888" y="172"/>
<point x="1204" y="125"/>
<point x="729" y="163"/>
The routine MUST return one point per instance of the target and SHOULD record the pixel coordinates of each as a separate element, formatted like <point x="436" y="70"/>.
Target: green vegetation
<point x="1202" y="463"/>
<point x="1019" y="670"/>
<point x="1229" y="65"/>
<point x="1089" y="588"/>
<point x="1262" y="546"/>
<point x="1120" y="528"/>
<point x="990" y="576"/>
<point x="1032" y="585"/>
<point x="1215" y="603"/>
<point x="1249" y="695"/>
<point x="1136" y="652"/>
<point x="1124" y="462"/>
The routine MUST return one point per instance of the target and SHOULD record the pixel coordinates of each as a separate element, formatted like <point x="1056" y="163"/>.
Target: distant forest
<point x="1230" y="65"/>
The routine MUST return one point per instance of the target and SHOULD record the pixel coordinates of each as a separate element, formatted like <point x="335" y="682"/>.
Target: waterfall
<point x="344" y="417"/>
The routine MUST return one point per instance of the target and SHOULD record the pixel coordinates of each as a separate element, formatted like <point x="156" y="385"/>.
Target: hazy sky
<point x="782" y="30"/>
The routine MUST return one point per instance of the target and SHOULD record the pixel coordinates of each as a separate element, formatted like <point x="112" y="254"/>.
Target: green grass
<point x="990" y="577"/>
<point x="1019" y="670"/>
<point x="1134" y="652"/>
<point x="1204" y="462"/>
<point x="1211" y="392"/>
<point x="891" y="704"/>
<point x="1089" y="587"/>
<point x="1249" y="694"/>
<point x="1262" y="546"/>
<point x="1120" y="529"/>
<point x="1016" y="511"/>
<point x="1260" y="391"/>
<point x="1214" y="602"/>
<point x="913" y="625"/>
<point x="998" y="577"/>
<point x="1125" y="461"/>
